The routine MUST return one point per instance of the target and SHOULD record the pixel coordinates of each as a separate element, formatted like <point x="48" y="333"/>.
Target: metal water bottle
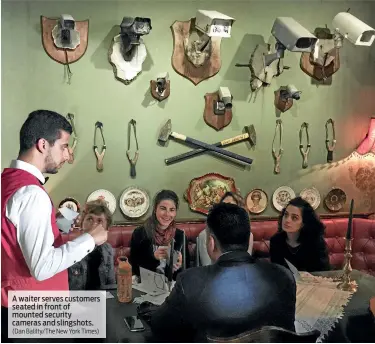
<point x="124" y="280"/>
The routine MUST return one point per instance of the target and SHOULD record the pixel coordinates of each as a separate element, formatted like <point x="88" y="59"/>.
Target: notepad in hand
<point x="294" y="270"/>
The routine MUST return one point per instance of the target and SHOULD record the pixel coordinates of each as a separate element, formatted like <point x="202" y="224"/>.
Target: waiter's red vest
<point x="15" y="274"/>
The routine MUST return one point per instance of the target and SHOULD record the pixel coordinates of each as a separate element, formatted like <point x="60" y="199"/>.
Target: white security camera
<point x="292" y="35"/>
<point x="224" y="102"/>
<point x="290" y="91"/>
<point x="64" y="34"/>
<point x="213" y="23"/>
<point x="66" y="21"/>
<point x="226" y="97"/>
<point x="355" y="30"/>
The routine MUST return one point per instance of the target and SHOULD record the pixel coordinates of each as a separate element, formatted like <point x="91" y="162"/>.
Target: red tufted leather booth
<point x="363" y="246"/>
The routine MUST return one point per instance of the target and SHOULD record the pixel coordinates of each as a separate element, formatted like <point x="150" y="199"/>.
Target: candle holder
<point x="346" y="283"/>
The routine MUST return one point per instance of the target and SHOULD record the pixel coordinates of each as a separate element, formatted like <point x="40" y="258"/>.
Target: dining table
<point x="356" y="325"/>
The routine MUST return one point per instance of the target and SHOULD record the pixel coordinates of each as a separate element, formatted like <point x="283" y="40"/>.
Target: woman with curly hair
<point x="300" y="238"/>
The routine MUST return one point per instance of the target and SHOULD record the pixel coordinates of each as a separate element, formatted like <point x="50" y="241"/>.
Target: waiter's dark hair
<point x="42" y="124"/>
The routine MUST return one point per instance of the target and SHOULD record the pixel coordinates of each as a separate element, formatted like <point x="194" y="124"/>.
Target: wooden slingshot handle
<point x="133" y="162"/>
<point x="99" y="157"/>
<point x="330" y="156"/>
<point x="277" y="160"/>
<point x="277" y="164"/>
<point x="305" y="154"/>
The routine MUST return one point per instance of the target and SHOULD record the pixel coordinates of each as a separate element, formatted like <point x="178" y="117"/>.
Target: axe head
<point x="252" y="134"/>
<point x="165" y="131"/>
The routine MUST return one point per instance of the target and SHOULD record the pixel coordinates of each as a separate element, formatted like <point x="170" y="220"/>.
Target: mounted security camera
<point x="292" y="36"/>
<point x="213" y="23"/>
<point x="224" y="102"/>
<point x="131" y="31"/>
<point x="290" y="91"/>
<point x="353" y="29"/>
<point x="285" y="95"/>
<point x="161" y="82"/>
<point x="64" y="33"/>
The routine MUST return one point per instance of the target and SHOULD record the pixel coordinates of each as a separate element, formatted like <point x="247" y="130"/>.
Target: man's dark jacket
<point x="234" y="295"/>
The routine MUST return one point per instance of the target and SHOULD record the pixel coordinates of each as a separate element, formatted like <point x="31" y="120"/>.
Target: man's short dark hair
<point x="42" y="124"/>
<point x="230" y="225"/>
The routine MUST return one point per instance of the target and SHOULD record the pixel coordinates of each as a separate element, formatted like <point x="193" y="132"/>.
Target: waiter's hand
<point x="161" y="253"/>
<point x="99" y="233"/>
<point x="179" y="262"/>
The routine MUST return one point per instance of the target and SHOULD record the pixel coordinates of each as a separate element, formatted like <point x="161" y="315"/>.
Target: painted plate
<point x="282" y="196"/>
<point x="105" y="196"/>
<point x="312" y="196"/>
<point x="203" y="192"/>
<point x="335" y="199"/>
<point x="256" y="201"/>
<point x="134" y="202"/>
<point x="70" y="203"/>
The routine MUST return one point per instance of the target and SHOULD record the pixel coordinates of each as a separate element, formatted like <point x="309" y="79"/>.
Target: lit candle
<point x="349" y="231"/>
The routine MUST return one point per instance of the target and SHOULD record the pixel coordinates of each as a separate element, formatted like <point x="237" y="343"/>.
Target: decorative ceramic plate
<point x="256" y="201"/>
<point x="335" y="199"/>
<point x="312" y="196"/>
<point x="70" y="203"/>
<point x="203" y="192"/>
<point x="105" y="196"/>
<point x="282" y="196"/>
<point x="134" y="202"/>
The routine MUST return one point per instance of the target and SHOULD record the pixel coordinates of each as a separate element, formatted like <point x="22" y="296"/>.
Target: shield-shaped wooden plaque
<point x="156" y="95"/>
<point x="181" y="64"/>
<point x="58" y="54"/>
<point x="217" y="122"/>
<point x="319" y="72"/>
<point x="281" y="104"/>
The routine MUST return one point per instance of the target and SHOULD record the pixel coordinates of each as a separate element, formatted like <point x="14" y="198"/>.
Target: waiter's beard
<point x="50" y="165"/>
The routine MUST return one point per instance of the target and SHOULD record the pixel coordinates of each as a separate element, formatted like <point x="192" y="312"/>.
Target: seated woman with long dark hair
<point x="300" y="238"/>
<point x="149" y="243"/>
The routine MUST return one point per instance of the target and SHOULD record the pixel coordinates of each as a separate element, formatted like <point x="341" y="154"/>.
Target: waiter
<point x="33" y="256"/>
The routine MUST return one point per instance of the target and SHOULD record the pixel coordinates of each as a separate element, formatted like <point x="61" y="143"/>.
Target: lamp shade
<point x="368" y="143"/>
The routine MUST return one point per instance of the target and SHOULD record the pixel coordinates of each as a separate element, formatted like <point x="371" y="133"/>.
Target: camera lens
<point x="65" y="36"/>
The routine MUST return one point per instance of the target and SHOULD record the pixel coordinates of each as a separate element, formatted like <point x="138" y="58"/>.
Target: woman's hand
<point x="161" y="253"/>
<point x="178" y="265"/>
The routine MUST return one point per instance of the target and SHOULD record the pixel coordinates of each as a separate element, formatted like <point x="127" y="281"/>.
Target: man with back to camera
<point x="231" y="296"/>
<point x="33" y="256"/>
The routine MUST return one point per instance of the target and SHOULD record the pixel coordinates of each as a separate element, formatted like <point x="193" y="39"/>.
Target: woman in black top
<point x="149" y="243"/>
<point x="300" y="238"/>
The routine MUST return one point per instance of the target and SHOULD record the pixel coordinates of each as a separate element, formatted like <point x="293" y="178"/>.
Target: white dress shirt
<point x="29" y="209"/>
